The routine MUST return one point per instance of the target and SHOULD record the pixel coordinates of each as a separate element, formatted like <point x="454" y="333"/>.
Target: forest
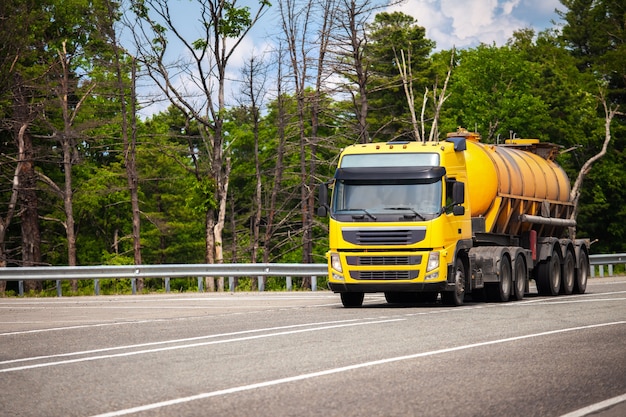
<point x="227" y="171"/>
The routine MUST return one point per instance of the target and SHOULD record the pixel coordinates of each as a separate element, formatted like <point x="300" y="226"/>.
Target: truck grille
<point x="383" y="275"/>
<point x="384" y="260"/>
<point x="375" y="236"/>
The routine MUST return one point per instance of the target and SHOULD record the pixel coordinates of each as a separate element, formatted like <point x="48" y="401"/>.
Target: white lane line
<point x="311" y="375"/>
<point x="596" y="407"/>
<point x="184" y="340"/>
<point x="225" y="297"/>
<point x="82" y="326"/>
<point x="191" y="345"/>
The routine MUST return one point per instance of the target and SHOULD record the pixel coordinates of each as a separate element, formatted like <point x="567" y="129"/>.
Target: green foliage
<point x="492" y="90"/>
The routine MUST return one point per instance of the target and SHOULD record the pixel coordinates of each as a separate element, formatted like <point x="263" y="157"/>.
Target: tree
<point x="391" y="32"/>
<point x="348" y="44"/>
<point x="223" y="26"/>
<point x="492" y="90"/>
<point x="594" y="33"/>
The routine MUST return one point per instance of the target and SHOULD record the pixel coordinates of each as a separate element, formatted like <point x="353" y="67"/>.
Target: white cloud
<point x="467" y="23"/>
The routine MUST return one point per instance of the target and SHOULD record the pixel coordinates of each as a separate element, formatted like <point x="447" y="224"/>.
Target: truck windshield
<point x="419" y="199"/>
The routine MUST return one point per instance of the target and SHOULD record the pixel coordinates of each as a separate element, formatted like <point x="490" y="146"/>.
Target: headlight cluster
<point x="433" y="263"/>
<point x="335" y="262"/>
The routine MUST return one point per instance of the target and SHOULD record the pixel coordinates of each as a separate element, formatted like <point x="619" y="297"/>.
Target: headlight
<point x="335" y="262"/>
<point x="433" y="261"/>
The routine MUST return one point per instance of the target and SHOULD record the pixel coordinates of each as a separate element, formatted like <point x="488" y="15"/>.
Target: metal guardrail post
<point x="96" y="286"/>
<point x="313" y="283"/>
<point x="260" y="283"/>
<point x="20" y="288"/>
<point x="59" y="288"/>
<point x="289" y="284"/>
<point x="167" y="284"/>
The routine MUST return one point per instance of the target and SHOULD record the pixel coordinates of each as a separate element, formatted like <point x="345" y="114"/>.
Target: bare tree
<point x="347" y="46"/>
<point x="254" y="78"/>
<point x="610" y="111"/>
<point x="439" y="97"/>
<point x="296" y="21"/>
<point x="67" y="92"/>
<point x="195" y="85"/>
<point x="273" y="223"/>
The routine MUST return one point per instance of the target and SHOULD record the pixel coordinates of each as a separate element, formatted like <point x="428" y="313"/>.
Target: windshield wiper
<point x="370" y="215"/>
<point x="408" y="209"/>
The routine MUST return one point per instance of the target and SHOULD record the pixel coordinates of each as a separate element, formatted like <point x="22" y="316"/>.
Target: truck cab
<point x="399" y="222"/>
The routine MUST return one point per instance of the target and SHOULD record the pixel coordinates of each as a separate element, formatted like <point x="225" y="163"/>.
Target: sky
<point x="450" y="23"/>
<point x="467" y="23"/>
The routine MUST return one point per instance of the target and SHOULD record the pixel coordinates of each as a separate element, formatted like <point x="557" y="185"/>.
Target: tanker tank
<point x="516" y="187"/>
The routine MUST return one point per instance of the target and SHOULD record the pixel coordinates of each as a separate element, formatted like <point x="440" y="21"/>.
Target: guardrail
<point x="166" y="272"/>
<point x="606" y="259"/>
<point x="200" y="271"/>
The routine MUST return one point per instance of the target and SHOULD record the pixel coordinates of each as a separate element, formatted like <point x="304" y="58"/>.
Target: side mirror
<point x="322" y="210"/>
<point x="458" y="198"/>
<point x="458" y="193"/>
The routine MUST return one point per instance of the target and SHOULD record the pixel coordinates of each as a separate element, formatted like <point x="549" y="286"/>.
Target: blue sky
<point x="450" y="23"/>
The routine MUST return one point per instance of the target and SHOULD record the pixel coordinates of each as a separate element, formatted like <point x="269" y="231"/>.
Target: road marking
<point x="331" y="371"/>
<point x="187" y="346"/>
<point x="188" y="339"/>
<point x="82" y="326"/>
<point x="596" y="407"/>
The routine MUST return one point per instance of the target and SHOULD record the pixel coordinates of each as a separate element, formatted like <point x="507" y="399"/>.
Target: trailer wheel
<point x="500" y="291"/>
<point x="568" y="274"/>
<point x="580" y="285"/>
<point x="455" y="298"/>
<point x="549" y="276"/>
<point x="519" y="287"/>
<point x="352" y="299"/>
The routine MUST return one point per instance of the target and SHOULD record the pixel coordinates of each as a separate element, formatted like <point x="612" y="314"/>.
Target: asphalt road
<point x="303" y="354"/>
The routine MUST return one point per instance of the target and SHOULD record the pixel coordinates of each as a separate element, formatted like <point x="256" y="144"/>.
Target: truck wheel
<point x="500" y="291"/>
<point x="520" y="278"/>
<point x="580" y="285"/>
<point x="568" y="274"/>
<point x="352" y="299"/>
<point x="455" y="298"/>
<point x="549" y="276"/>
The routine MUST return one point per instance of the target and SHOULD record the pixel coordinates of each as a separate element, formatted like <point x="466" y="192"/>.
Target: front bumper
<point x="389" y="286"/>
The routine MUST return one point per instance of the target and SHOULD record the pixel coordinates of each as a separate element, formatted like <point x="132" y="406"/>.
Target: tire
<point x="455" y="298"/>
<point x="500" y="291"/>
<point x="352" y="299"/>
<point x="568" y="274"/>
<point x="521" y="276"/>
<point x="549" y="276"/>
<point x="582" y="273"/>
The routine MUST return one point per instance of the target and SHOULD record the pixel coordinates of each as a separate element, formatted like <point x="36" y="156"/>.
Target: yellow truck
<point x="456" y="218"/>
